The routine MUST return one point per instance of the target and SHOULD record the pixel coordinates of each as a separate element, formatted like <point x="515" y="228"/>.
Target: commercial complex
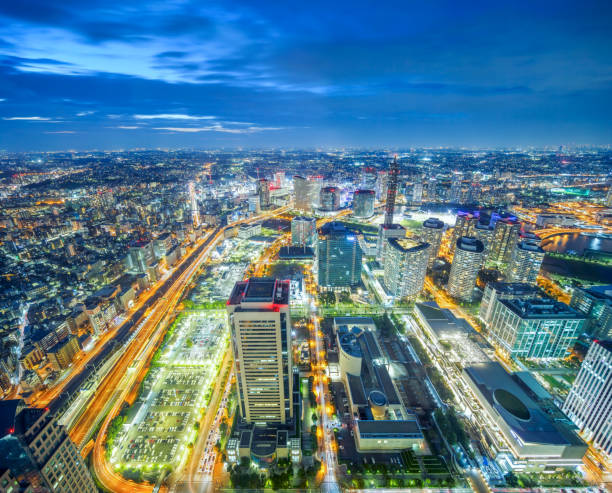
<point x="260" y="328"/>
<point x="525" y="262"/>
<point x="38" y="451"/>
<point x="596" y="303"/>
<point x="589" y="402"/>
<point x="339" y="257"/>
<point x="405" y="267"/>
<point x="363" y="203"/>
<point x="537" y="441"/>
<point x="534" y="328"/>
<point x="464" y="269"/>
<point x="383" y="424"/>
<point x="303" y="231"/>
<point x="433" y="229"/>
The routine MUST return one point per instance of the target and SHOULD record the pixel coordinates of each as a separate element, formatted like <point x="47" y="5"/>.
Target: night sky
<point x="108" y="74"/>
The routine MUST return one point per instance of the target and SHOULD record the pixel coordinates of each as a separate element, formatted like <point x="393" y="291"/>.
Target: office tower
<point x="417" y="193"/>
<point x="609" y="196"/>
<point x="391" y="192"/>
<point x="596" y="303"/>
<point x="263" y="191"/>
<point x="464" y="269"/>
<point x="363" y="203"/>
<point x="303" y="231"/>
<point x="329" y="199"/>
<point x="279" y="179"/>
<point x="534" y="328"/>
<point x="589" y="402"/>
<point x="455" y="188"/>
<point x="38" y="451"/>
<point x="260" y="334"/>
<point x="504" y="291"/>
<point x="369" y="178"/>
<point x="140" y="255"/>
<point x="433" y="229"/>
<point x="464" y="226"/>
<point x="504" y="238"/>
<point x="405" y="267"/>
<point x="303" y="190"/>
<point x="525" y="262"/>
<point x="384" y="233"/>
<point x="339" y="257"/>
<point x="382" y="184"/>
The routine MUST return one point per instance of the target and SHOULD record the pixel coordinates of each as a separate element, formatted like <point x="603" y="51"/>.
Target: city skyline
<point x="236" y="74"/>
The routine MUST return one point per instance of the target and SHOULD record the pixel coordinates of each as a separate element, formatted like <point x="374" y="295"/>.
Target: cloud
<point x="218" y="128"/>
<point x="27" y="118"/>
<point x="127" y="127"/>
<point x="172" y="116"/>
<point x="2" y="100"/>
<point x="85" y="113"/>
<point x="62" y="132"/>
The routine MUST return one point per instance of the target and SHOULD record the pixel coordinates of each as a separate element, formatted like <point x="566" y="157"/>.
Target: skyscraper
<point x="303" y="231"/>
<point x="464" y="226"/>
<point x="260" y="329"/>
<point x="339" y="257"/>
<point x="433" y="230"/>
<point x="363" y="203"/>
<point x="484" y="233"/>
<point x="464" y="269"/>
<point x="263" y="191"/>
<point x="303" y="190"/>
<point x="504" y="238"/>
<point x="405" y="267"/>
<point x="37" y="449"/>
<point x="329" y="199"/>
<point x="596" y="303"/>
<point x="589" y="402"/>
<point x="391" y="192"/>
<point x="455" y="188"/>
<point x="525" y="262"/>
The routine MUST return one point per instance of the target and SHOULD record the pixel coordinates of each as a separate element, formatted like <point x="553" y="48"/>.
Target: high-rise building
<point x="589" y="402"/>
<point x="339" y="257"/>
<point x="534" y="328"/>
<point x="303" y="231"/>
<point x="596" y="303"/>
<point x="417" y="193"/>
<point x="525" y="262"/>
<point x="433" y="229"/>
<point x="38" y="450"/>
<point x="464" y="269"/>
<point x="263" y="191"/>
<point x="405" y="267"/>
<point x="609" y="196"/>
<point x="504" y="291"/>
<point x="260" y="334"/>
<point x="381" y="184"/>
<point x="505" y="237"/>
<point x="455" y="188"/>
<point x="464" y="226"/>
<point x="329" y="199"/>
<point x="363" y="203"/>
<point x="384" y="233"/>
<point x="484" y="233"/>
<point x="369" y="178"/>
<point x="391" y="192"/>
<point x="279" y="179"/>
<point x="304" y="191"/>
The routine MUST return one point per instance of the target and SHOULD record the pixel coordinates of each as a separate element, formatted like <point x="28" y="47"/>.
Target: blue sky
<point x="108" y="74"/>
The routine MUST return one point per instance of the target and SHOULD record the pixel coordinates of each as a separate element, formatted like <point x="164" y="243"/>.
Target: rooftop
<point x="407" y="245"/>
<point x="433" y="223"/>
<point x="514" y="288"/>
<point x="470" y="244"/>
<point x="541" y="308"/>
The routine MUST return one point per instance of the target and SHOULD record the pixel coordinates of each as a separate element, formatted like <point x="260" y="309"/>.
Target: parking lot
<point x="161" y="423"/>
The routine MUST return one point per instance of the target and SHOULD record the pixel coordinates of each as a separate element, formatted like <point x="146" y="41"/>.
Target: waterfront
<point x="576" y="243"/>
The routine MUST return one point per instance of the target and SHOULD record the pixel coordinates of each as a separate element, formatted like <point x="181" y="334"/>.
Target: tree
<point x="511" y="479"/>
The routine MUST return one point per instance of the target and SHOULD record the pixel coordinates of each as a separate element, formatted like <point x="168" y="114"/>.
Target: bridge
<point x="547" y="233"/>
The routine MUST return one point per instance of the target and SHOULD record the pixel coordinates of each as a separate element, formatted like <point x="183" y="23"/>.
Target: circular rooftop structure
<point x="378" y="398"/>
<point x="512" y="404"/>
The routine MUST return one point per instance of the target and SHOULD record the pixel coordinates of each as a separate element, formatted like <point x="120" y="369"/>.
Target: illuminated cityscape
<point x="255" y="248"/>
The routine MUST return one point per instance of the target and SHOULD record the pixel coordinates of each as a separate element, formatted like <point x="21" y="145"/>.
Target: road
<point x="329" y="483"/>
<point x="120" y="381"/>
